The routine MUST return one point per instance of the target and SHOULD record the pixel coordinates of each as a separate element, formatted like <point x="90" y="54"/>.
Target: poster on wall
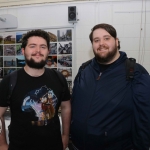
<point x="59" y="58"/>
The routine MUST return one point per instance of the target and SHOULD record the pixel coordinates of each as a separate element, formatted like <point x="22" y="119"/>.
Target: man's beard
<point x="108" y="57"/>
<point x="36" y="65"/>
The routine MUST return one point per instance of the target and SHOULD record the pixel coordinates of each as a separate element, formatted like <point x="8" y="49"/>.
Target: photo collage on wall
<point x="60" y="56"/>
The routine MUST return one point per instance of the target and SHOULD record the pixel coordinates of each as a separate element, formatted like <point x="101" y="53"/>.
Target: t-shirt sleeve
<point x="4" y="90"/>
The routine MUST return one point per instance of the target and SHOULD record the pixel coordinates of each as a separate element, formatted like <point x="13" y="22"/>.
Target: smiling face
<point x="36" y="52"/>
<point x="104" y="46"/>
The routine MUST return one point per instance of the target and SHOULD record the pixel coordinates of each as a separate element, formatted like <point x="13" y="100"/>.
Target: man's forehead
<point x="36" y="38"/>
<point x="100" y="32"/>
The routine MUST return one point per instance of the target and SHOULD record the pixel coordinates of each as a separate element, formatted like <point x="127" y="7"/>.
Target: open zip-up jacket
<point x="109" y="112"/>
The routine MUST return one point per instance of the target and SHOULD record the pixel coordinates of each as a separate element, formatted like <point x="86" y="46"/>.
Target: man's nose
<point x="38" y="48"/>
<point x="101" y="42"/>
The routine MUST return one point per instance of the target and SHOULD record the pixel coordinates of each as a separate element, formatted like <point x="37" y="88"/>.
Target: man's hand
<point x="65" y="140"/>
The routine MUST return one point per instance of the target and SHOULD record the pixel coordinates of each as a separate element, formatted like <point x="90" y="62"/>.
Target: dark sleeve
<point x="4" y="90"/>
<point x="141" y="106"/>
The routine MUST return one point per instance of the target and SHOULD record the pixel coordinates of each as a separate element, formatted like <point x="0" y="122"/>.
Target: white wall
<point x="132" y="25"/>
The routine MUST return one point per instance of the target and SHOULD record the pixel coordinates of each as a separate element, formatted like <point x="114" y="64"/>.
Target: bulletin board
<point x="60" y="56"/>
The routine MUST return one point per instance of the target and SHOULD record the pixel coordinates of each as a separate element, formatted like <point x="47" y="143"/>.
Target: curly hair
<point x="37" y="32"/>
<point x="109" y="28"/>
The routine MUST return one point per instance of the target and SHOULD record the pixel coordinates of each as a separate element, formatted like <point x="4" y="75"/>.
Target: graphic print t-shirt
<point x="34" y="107"/>
<point x="42" y="101"/>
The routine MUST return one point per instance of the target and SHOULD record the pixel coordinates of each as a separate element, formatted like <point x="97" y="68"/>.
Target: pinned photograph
<point x="53" y="35"/>
<point x="51" y="62"/>
<point x="65" y="48"/>
<point x="18" y="50"/>
<point x="9" y="50"/>
<point x="64" y="35"/>
<point x="66" y="72"/>
<point x="19" y="36"/>
<point x="53" y="49"/>
<point x="20" y="61"/>
<point x="9" y="38"/>
<point x="65" y="61"/>
<point x="9" y="61"/>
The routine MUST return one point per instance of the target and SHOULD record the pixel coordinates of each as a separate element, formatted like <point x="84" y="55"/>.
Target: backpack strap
<point x="130" y="67"/>
<point x="82" y="67"/>
<point x="12" y="83"/>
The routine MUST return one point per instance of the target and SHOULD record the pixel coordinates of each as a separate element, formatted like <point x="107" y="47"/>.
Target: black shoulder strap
<point x="12" y="83"/>
<point x="82" y="67"/>
<point x="85" y="64"/>
<point x="130" y="67"/>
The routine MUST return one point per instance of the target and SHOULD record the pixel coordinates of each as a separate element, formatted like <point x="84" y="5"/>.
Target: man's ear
<point x="22" y="49"/>
<point x="117" y="42"/>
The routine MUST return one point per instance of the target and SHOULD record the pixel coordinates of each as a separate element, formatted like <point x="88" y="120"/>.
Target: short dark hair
<point x="37" y="32"/>
<point x="109" y="28"/>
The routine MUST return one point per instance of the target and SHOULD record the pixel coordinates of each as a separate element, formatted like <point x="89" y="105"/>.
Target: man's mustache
<point x="102" y="47"/>
<point x="38" y="54"/>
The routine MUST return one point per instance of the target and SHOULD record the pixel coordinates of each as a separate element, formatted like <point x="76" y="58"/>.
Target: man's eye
<point x="96" y="41"/>
<point x="44" y="47"/>
<point x="32" y="46"/>
<point x="107" y="39"/>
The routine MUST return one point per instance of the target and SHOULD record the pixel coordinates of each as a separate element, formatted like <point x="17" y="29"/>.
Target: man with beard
<point x="108" y="111"/>
<point x="32" y="128"/>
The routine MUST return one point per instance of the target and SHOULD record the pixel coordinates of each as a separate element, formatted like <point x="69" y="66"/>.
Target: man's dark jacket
<point x="111" y="113"/>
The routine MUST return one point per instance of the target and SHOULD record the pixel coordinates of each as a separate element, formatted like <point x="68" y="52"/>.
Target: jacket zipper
<point x="99" y="76"/>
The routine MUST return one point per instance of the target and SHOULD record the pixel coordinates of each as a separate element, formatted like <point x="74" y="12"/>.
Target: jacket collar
<point x="120" y="60"/>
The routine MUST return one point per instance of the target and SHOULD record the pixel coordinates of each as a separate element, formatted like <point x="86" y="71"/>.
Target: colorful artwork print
<point x="42" y="102"/>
